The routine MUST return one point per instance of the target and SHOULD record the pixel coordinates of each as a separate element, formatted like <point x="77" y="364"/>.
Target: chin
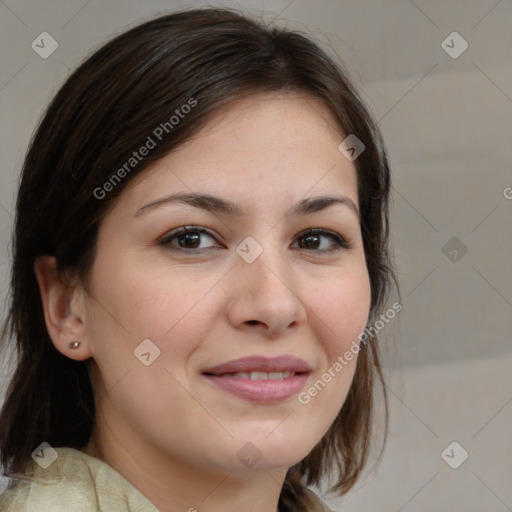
<point x="265" y="453"/>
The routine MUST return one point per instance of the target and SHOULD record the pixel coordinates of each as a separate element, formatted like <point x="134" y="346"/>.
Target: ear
<point x="64" y="309"/>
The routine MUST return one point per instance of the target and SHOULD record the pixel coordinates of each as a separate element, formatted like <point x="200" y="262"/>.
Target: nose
<point x="266" y="297"/>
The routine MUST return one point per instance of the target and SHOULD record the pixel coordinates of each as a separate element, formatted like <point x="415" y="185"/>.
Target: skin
<point x="164" y="427"/>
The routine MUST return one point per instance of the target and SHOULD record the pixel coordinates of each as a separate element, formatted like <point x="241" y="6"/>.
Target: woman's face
<point x="164" y="307"/>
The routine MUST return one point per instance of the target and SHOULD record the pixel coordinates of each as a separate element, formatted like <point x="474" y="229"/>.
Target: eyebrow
<point x="223" y="206"/>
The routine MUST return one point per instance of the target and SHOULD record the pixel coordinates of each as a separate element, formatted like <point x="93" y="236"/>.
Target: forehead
<point x="265" y="147"/>
<point x="270" y="124"/>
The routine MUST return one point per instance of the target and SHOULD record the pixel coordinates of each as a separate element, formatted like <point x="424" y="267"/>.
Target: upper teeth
<point x="264" y="375"/>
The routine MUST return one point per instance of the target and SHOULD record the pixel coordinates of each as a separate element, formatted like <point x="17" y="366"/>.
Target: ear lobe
<point x="64" y="314"/>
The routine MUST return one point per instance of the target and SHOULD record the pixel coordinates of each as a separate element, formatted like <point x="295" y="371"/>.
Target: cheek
<point x="343" y="306"/>
<point x="170" y="309"/>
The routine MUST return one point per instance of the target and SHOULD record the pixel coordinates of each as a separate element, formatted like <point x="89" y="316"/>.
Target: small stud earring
<point x="74" y="344"/>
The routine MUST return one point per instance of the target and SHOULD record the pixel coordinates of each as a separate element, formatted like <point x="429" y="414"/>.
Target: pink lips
<point x="261" y="364"/>
<point x="264" y="391"/>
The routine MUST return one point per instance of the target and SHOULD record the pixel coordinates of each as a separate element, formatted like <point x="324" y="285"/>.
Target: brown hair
<point x="104" y="111"/>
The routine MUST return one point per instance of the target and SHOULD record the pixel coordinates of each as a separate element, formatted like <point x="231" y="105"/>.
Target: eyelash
<point x="339" y="243"/>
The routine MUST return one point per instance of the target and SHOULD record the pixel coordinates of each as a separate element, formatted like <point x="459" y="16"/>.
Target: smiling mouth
<point x="259" y="387"/>
<point x="259" y="375"/>
<point x="260" y="379"/>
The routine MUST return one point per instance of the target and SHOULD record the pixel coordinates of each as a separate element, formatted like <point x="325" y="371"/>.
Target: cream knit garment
<point x="77" y="482"/>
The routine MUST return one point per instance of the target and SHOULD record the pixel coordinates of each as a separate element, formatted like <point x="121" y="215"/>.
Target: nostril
<point x="252" y="322"/>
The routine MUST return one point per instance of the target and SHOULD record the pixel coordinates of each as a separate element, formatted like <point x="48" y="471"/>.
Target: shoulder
<point x="317" y="504"/>
<point x="72" y="480"/>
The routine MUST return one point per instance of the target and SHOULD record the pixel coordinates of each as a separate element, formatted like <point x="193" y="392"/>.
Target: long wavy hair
<point x="105" y="110"/>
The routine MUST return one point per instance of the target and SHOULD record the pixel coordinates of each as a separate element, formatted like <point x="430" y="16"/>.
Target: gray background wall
<point x="447" y="121"/>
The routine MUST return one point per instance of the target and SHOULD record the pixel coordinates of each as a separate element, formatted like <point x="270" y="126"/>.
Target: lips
<point x="262" y="375"/>
<point x="255" y="365"/>
<point x="259" y="379"/>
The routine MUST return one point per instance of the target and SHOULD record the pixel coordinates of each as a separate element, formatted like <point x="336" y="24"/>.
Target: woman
<point x="200" y="240"/>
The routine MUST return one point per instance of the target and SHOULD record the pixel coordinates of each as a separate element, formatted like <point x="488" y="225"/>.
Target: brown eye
<point x="189" y="239"/>
<point x="313" y="239"/>
<point x="309" y="242"/>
